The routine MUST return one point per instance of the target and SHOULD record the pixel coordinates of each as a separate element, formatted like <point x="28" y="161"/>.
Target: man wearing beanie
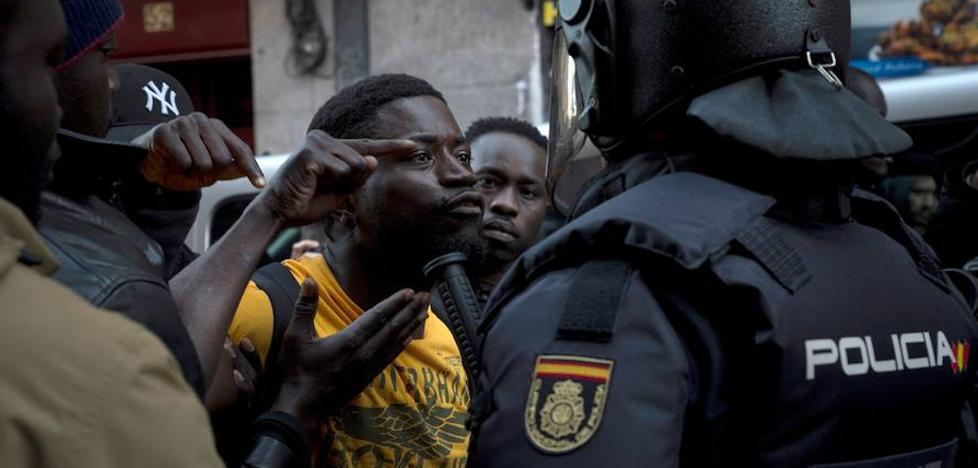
<point x="83" y="76"/>
<point x="100" y="187"/>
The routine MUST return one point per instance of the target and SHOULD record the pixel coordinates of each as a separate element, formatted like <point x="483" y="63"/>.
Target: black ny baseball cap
<point x="145" y="97"/>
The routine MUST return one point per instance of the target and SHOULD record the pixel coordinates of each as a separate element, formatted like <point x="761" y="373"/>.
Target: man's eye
<point x="108" y="47"/>
<point x="485" y="182"/>
<point x="421" y="157"/>
<point x="529" y="194"/>
<point x="464" y="158"/>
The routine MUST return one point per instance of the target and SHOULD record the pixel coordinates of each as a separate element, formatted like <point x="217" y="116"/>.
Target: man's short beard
<point x="406" y="244"/>
<point x="31" y="154"/>
<point x="473" y="247"/>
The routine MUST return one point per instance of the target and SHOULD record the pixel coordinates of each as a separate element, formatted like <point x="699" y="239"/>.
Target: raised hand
<point x="321" y="375"/>
<point x="314" y="181"/>
<point x="194" y="151"/>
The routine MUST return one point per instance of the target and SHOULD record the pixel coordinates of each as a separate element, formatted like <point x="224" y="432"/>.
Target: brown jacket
<point x="80" y="386"/>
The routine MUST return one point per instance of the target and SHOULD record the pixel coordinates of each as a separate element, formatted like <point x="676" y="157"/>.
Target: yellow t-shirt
<point x="414" y="412"/>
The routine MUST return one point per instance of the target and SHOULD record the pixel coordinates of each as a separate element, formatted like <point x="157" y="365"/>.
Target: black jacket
<point x="691" y="322"/>
<point x="110" y="262"/>
<point x="165" y="216"/>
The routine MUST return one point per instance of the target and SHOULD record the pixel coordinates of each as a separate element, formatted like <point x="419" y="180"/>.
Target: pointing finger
<point x="190" y="136"/>
<point x="216" y="147"/>
<point x="243" y="156"/>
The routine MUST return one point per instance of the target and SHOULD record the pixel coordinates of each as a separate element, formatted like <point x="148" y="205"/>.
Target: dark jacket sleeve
<point x="151" y="305"/>
<point x="165" y="216"/>
<point x="648" y="392"/>
<point x="953" y="232"/>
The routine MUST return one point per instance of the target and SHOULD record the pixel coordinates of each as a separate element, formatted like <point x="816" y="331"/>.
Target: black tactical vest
<point x="807" y="344"/>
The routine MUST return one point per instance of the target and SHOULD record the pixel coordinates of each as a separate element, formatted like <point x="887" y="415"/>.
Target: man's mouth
<point x="465" y="205"/>
<point x="499" y="231"/>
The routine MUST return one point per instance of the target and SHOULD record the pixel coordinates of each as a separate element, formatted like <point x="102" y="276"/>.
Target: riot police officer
<point x="722" y="294"/>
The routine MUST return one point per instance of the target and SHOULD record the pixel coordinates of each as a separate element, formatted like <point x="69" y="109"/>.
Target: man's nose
<point x="504" y="202"/>
<point x="452" y="173"/>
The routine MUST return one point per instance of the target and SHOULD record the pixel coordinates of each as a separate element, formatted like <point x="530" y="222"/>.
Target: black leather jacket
<point x="113" y="263"/>
<point x="119" y="239"/>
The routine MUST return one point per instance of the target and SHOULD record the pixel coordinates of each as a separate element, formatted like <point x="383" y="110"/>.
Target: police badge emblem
<point x="569" y="414"/>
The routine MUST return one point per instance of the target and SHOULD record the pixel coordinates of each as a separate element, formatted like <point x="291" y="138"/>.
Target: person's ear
<point x="347" y="219"/>
<point x="344" y="215"/>
<point x="339" y="224"/>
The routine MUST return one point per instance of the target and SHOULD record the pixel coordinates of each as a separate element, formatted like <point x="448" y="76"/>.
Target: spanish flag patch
<point x="566" y="401"/>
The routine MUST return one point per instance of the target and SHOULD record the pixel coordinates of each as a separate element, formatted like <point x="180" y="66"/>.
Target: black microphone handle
<point x="454" y="291"/>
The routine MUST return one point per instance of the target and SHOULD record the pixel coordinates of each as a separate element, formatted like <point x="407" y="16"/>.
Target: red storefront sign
<point x="155" y="30"/>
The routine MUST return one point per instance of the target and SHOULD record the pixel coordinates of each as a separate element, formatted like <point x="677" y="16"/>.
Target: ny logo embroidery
<point x="168" y="102"/>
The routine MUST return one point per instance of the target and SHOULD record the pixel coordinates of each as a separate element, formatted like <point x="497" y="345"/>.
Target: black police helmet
<point x="638" y="61"/>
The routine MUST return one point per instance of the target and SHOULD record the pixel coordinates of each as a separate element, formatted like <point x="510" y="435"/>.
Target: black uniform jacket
<point x="692" y="322"/>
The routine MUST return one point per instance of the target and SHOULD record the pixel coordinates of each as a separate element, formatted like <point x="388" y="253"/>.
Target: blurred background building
<point x="265" y="66"/>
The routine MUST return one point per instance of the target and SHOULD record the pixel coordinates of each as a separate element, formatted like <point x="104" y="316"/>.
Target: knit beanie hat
<point x="89" y="21"/>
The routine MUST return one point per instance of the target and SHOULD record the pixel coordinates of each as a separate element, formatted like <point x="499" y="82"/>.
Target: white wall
<point x="475" y="51"/>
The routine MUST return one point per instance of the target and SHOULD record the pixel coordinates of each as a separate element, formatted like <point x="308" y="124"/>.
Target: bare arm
<point x="208" y="291"/>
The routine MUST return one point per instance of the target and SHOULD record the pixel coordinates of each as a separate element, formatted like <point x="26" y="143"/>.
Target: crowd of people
<point x="734" y="301"/>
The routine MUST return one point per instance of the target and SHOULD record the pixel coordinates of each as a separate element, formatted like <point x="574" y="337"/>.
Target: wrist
<point x="264" y="214"/>
<point x="265" y="207"/>
<point x="290" y="402"/>
<point x="279" y="441"/>
<point x="287" y="402"/>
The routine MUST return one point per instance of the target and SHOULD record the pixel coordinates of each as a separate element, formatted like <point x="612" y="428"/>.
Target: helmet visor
<point x="566" y="139"/>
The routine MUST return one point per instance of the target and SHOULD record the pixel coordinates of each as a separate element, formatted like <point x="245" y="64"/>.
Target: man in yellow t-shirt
<point x="413" y="207"/>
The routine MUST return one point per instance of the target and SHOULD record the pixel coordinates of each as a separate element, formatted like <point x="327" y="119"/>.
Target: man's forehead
<point x="425" y="119"/>
<point x="498" y="150"/>
<point x="433" y="139"/>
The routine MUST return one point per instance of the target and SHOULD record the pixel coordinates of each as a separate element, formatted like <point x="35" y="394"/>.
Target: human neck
<point x="367" y="278"/>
